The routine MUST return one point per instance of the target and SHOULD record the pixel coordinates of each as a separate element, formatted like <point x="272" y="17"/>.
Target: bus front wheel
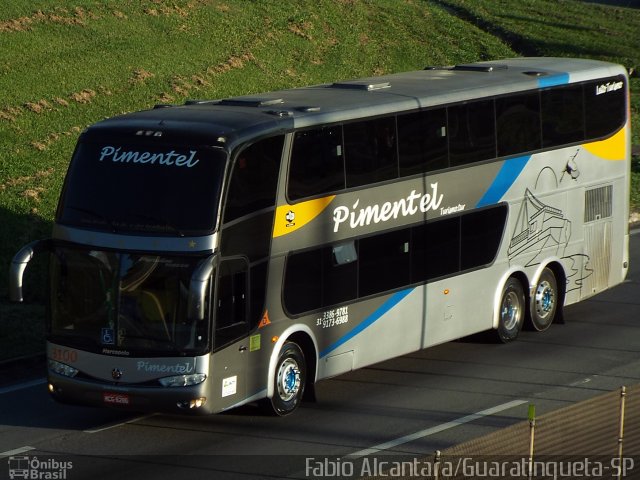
<point x="544" y="301"/>
<point x="289" y="380"/>
<point x="512" y="311"/>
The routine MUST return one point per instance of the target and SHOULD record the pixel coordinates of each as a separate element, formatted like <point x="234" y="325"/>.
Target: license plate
<point x="115" y="398"/>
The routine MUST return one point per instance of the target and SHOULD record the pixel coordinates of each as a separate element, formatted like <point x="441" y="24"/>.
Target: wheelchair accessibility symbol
<point x="108" y="336"/>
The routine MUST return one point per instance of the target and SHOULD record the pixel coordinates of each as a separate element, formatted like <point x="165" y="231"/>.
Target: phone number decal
<point x="332" y="318"/>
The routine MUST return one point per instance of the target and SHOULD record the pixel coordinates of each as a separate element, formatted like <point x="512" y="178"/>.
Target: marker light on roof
<point x="148" y="133"/>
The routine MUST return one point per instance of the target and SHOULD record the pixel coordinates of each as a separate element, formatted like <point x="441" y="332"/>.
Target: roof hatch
<point x="251" y="102"/>
<point x="476" y="67"/>
<point x="361" y="85"/>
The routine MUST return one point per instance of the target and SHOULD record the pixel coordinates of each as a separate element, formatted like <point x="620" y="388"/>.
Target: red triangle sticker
<point x="265" y="320"/>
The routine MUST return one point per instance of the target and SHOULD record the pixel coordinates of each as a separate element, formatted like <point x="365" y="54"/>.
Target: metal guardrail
<point x="595" y="438"/>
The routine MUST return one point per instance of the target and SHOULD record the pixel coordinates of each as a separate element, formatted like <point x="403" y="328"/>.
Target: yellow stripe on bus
<point x="613" y="148"/>
<point x="290" y="218"/>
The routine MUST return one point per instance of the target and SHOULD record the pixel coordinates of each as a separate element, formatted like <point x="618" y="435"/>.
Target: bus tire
<point x="544" y="301"/>
<point x="512" y="311"/>
<point x="289" y="380"/>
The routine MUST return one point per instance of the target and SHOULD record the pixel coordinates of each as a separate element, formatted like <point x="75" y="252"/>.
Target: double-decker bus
<point x="222" y="252"/>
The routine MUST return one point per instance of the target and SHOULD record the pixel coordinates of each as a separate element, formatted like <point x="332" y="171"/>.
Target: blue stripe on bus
<point x="553" y="80"/>
<point x="367" y="322"/>
<point x="504" y="179"/>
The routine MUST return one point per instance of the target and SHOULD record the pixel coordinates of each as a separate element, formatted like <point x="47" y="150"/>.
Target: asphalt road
<point x="411" y="405"/>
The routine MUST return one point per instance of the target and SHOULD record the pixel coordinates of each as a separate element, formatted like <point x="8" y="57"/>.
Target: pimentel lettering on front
<point x="170" y="158"/>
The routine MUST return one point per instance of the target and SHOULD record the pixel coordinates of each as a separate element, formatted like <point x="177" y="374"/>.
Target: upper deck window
<point x="471" y="132"/>
<point x="140" y="188"/>
<point x="317" y="164"/>
<point x="562" y="116"/>
<point x="605" y="106"/>
<point x="518" y="123"/>
<point x="254" y="179"/>
<point x="422" y="141"/>
<point x="370" y="151"/>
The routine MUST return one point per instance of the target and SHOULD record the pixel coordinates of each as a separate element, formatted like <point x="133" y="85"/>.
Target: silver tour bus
<point x="222" y="252"/>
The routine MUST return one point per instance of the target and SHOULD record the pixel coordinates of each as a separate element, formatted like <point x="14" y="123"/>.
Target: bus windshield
<point x="110" y="302"/>
<point x="143" y="188"/>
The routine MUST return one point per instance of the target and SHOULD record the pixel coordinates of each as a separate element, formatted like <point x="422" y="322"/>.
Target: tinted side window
<point x="320" y="278"/>
<point x="384" y="262"/>
<point x="481" y="233"/>
<point x="254" y="179"/>
<point x="435" y="249"/>
<point x="562" y="116"/>
<point x="340" y="274"/>
<point x="471" y="129"/>
<point x="605" y="106"/>
<point x="518" y="123"/>
<point x="317" y="164"/>
<point x="422" y="141"/>
<point x="370" y="151"/>
<point x="303" y="282"/>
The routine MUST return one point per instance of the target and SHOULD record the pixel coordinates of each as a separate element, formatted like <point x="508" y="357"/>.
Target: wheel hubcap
<point x="288" y="379"/>
<point x="545" y="299"/>
<point x="510" y="311"/>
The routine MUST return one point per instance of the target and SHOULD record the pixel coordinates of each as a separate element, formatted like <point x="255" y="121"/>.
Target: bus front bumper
<point x="183" y="400"/>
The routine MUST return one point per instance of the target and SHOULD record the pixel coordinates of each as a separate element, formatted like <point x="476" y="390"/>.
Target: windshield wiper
<point x="160" y="221"/>
<point x="157" y="340"/>
<point x="94" y="214"/>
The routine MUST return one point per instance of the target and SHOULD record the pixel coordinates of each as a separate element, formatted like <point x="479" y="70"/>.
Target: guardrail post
<point x="623" y="396"/>
<point x="532" y="433"/>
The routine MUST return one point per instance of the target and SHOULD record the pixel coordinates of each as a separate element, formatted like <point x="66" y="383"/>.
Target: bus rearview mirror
<point x="19" y="265"/>
<point x="198" y="288"/>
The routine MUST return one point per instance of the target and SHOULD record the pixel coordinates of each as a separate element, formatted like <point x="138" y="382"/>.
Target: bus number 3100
<point x="64" y="355"/>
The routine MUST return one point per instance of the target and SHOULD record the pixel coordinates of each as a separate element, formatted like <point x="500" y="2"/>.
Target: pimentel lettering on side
<point x="414" y="202"/>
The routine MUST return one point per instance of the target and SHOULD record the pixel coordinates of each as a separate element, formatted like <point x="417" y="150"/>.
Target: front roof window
<point x="143" y="188"/>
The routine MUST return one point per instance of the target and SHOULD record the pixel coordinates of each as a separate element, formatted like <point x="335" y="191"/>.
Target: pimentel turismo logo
<point x="416" y="202"/>
<point x="33" y="468"/>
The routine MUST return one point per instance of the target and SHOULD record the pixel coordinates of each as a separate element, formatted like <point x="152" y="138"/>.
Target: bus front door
<point x="231" y="342"/>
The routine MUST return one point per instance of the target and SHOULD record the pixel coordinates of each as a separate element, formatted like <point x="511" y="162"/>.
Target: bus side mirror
<point x="198" y="289"/>
<point x="19" y="265"/>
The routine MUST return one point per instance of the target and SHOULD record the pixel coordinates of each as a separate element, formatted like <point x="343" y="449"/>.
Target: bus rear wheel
<point x="289" y="380"/>
<point x="512" y="311"/>
<point x="544" y="301"/>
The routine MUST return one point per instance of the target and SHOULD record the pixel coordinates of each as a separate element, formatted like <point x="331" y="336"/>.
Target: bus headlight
<point x="183" y="380"/>
<point x="62" y="369"/>
<point x="191" y="404"/>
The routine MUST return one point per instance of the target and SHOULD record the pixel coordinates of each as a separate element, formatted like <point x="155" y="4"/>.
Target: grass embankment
<point x="62" y="69"/>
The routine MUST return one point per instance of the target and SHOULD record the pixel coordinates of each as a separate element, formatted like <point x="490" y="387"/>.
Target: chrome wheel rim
<point x="545" y="300"/>
<point x="510" y="311"/>
<point x="288" y="380"/>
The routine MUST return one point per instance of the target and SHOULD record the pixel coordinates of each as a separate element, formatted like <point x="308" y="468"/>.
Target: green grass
<point x="64" y="68"/>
